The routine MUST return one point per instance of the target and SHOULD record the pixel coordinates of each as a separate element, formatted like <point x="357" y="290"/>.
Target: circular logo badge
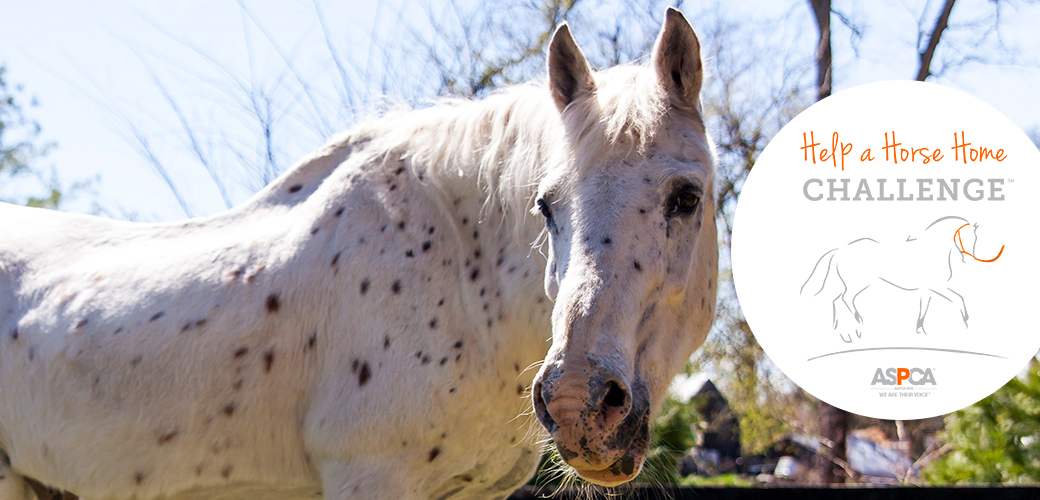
<point x="886" y="252"/>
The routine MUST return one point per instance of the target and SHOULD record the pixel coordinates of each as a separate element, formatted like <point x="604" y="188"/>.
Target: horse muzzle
<point x="600" y="424"/>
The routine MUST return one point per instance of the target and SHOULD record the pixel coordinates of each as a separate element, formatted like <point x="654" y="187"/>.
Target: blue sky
<point x="84" y="60"/>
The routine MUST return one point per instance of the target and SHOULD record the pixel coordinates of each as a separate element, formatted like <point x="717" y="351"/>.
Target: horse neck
<point x="493" y="151"/>
<point x="476" y="163"/>
<point x="944" y="235"/>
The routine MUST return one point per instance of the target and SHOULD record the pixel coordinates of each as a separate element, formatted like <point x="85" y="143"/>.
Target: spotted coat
<point x="367" y="326"/>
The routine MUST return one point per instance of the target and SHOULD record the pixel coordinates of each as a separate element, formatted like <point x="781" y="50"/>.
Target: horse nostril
<point x="615" y="396"/>
<point x="540" y="409"/>
<point x="614" y="406"/>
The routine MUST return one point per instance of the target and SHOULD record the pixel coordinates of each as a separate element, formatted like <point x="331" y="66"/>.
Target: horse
<point x="923" y="265"/>
<point x="370" y="323"/>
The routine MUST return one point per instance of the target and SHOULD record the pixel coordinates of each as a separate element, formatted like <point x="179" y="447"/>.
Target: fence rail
<point x="790" y="493"/>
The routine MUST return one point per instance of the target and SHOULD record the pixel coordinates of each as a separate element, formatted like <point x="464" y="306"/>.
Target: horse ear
<point x="570" y="76"/>
<point x="677" y="59"/>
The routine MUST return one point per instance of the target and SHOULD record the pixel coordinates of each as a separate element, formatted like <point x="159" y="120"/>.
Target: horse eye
<point x="544" y="208"/>
<point x="684" y="200"/>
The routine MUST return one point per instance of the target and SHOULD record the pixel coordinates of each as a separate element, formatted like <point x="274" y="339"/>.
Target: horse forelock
<point x="620" y="118"/>
<point x="633" y="104"/>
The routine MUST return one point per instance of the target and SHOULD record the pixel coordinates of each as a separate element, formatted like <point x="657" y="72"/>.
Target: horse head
<point x="958" y="239"/>
<point x="629" y="212"/>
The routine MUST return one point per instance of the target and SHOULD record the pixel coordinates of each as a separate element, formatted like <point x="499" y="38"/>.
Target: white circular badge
<point x="886" y="251"/>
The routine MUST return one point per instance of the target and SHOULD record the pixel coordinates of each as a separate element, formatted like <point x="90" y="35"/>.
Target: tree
<point x="21" y="148"/>
<point x="834" y="425"/>
<point x="767" y="402"/>
<point x="995" y="440"/>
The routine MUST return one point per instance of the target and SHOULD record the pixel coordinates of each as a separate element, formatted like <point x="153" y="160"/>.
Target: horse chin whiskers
<point x="533" y="366"/>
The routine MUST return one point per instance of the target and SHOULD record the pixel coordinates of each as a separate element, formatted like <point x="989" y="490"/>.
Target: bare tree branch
<point x="189" y="130"/>
<point x="822" y="11"/>
<point x="144" y="148"/>
<point x="325" y="127"/>
<point x="345" y="82"/>
<point x="924" y="69"/>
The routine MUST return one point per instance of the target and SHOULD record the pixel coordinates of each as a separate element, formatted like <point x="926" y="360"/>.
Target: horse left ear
<point x="677" y="59"/>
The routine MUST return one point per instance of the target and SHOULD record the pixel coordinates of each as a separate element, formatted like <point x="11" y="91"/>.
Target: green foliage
<point x="996" y="440"/>
<point x="731" y="480"/>
<point x="757" y="393"/>
<point x="49" y="201"/>
<point x="20" y="146"/>
<point x="672" y="436"/>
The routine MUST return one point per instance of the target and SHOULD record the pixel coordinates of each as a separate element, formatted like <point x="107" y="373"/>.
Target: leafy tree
<point x="20" y="146"/>
<point x="996" y="440"/>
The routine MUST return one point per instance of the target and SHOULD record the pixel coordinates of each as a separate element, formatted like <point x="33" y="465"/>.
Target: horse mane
<point x="510" y="139"/>
<point x="507" y="140"/>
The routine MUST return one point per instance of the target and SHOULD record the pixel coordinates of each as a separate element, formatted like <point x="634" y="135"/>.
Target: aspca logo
<point x="896" y="376"/>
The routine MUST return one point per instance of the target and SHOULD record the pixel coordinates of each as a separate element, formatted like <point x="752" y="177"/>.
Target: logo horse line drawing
<point x="921" y="266"/>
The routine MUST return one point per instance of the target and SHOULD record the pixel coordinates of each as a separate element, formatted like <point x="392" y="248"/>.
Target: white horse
<point x="922" y="266"/>
<point x="362" y="327"/>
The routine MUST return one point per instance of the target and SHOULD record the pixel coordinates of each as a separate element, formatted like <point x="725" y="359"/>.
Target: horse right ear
<point x="570" y="76"/>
